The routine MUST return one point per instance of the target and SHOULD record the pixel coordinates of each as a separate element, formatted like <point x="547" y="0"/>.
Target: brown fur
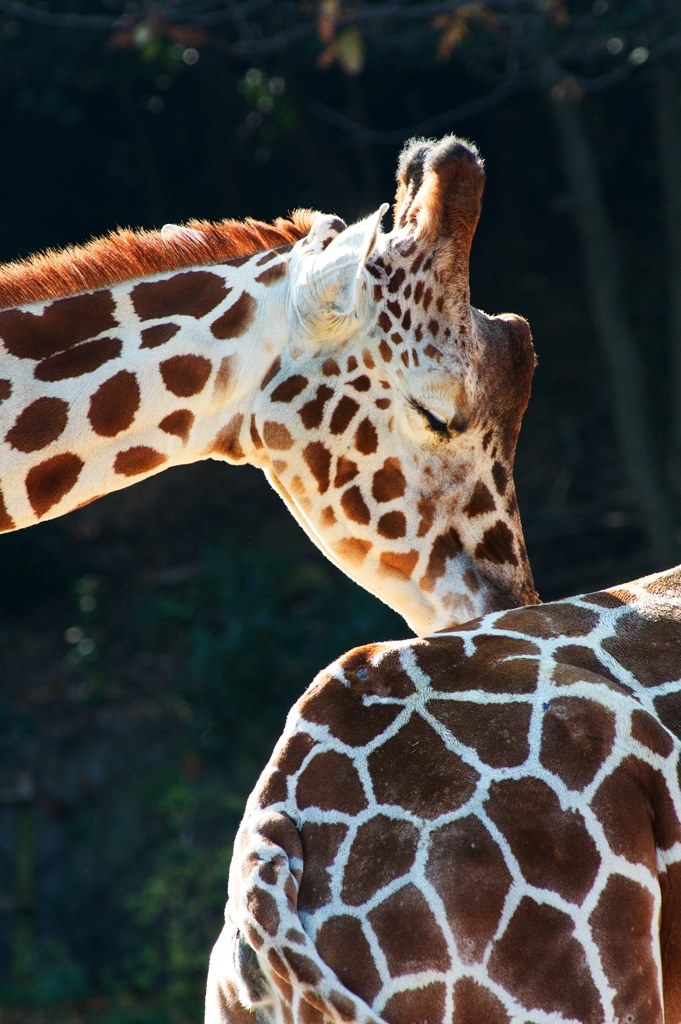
<point x="125" y="254"/>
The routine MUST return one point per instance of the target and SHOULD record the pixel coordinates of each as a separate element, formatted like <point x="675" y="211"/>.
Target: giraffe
<point x="480" y="825"/>
<point x="346" y="363"/>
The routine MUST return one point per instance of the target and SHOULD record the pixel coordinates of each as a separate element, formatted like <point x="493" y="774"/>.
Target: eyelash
<point x="435" y="425"/>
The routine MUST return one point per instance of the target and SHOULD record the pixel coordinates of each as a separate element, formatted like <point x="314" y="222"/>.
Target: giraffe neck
<point x="108" y="387"/>
<point x="351" y="368"/>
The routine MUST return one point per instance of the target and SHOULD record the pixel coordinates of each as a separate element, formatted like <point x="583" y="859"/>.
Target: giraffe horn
<point x="179" y="233"/>
<point x="439" y="192"/>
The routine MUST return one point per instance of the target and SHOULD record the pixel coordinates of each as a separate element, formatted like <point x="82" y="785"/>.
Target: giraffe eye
<point x="434" y="424"/>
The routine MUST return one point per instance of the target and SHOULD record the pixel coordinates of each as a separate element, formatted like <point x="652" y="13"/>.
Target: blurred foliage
<point x="227" y="642"/>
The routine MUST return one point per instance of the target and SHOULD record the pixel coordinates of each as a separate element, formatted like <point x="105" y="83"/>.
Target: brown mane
<point x="125" y="254"/>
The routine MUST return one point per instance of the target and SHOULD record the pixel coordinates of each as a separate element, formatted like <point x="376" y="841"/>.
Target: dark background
<point x="151" y="644"/>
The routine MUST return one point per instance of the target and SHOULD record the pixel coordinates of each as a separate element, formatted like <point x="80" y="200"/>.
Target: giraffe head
<point x="389" y="421"/>
<point x="348" y="364"/>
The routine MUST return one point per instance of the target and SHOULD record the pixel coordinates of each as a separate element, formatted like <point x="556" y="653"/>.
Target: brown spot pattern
<point x="288" y="389"/>
<point x="398" y="563"/>
<point x="340" y="708"/>
<point x="343" y="946"/>
<point x="228" y="442"/>
<point x="223" y="378"/>
<point x="6" y="521"/>
<point x="38" y="425"/>
<point x="159" y="334"/>
<point x="276" y="436"/>
<point x="577" y="736"/>
<point x="668" y="708"/>
<point x="465" y="850"/>
<point x="192" y="293"/>
<point x="264" y="909"/>
<point x="498" y="732"/>
<point x="255" y="436"/>
<point x="432" y="780"/>
<point x="385" y="350"/>
<point x="445" y="547"/>
<point x="426" y="509"/>
<point x="352" y="549"/>
<point x="650" y="650"/>
<point x="388" y="482"/>
<point x="114" y="404"/>
<point x="306" y="970"/>
<point x="346" y="470"/>
<point x="320" y="847"/>
<point x="500" y="477"/>
<point x="328" y="516"/>
<point x="621" y="927"/>
<point x="636" y="810"/>
<point x="236" y="320"/>
<point x="62" y="324"/>
<point x="497" y="545"/>
<point x="421" y="946"/>
<point x="561" y="983"/>
<point x="330" y="782"/>
<point x="271" y="373"/>
<point x="647" y="731"/>
<point x="392" y="525"/>
<point x="557" y="620"/>
<point x="480" y="501"/>
<point x="473" y="1004"/>
<point x="78" y="360"/>
<point x="342" y="414"/>
<point x="138" y="459"/>
<point x="273" y="273"/>
<point x="312" y="412"/>
<point x="318" y="460"/>
<point x="670" y="940"/>
<point x="49" y="481"/>
<point x="425" y="1005"/>
<point x="354" y="506"/>
<point x="397" y="280"/>
<point x="382" y="851"/>
<point x="185" y="375"/>
<point x="581" y="657"/>
<point x="498" y="665"/>
<point x="553" y="847"/>
<point x="366" y="438"/>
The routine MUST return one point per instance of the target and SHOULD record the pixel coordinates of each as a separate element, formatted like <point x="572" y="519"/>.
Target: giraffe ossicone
<point x="180" y="231"/>
<point x="346" y="363"/>
<point x="482" y="825"/>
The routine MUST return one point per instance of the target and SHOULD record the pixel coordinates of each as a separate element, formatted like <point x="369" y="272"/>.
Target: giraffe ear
<point x="329" y="290"/>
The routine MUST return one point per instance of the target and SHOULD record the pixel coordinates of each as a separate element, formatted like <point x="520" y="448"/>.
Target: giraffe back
<point x="482" y="825"/>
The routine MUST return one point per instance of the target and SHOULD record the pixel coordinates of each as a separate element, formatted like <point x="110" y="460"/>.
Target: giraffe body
<point x="484" y="825"/>
<point x="346" y="363"/>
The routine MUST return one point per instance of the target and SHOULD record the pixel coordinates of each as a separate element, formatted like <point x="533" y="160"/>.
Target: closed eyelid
<point x="435" y="424"/>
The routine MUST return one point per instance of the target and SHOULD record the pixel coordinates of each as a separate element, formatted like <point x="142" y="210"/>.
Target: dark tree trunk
<point x="666" y="98"/>
<point x="630" y="408"/>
